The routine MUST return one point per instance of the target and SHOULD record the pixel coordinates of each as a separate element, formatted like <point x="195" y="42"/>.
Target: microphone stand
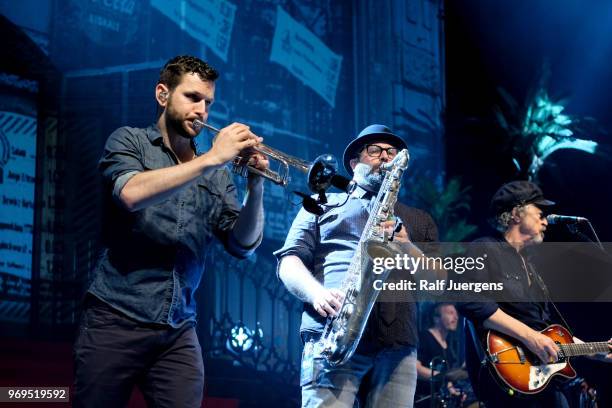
<point x="573" y="228"/>
<point x="595" y="235"/>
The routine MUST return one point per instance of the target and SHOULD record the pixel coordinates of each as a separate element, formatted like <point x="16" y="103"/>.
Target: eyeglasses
<point x="537" y="212"/>
<point x="375" y="150"/>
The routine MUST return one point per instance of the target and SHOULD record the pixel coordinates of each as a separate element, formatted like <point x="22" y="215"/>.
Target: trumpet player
<point x="164" y="204"/>
<point x="312" y="264"/>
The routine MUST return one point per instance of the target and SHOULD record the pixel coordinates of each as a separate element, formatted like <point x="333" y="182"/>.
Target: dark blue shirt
<point x="154" y="257"/>
<point x="504" y="264"/>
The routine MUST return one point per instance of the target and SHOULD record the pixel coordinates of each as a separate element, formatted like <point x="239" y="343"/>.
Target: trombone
<point x="281" y="176"/>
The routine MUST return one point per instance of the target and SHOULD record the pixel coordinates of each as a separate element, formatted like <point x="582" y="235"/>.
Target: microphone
<point x="317" y="206"/>
<point x="310" y="204"/>
<point x="343" y="183"/>
<point x="564" y="219"/>
<point x="571" y="221"/>
<point x="323" y="174"/>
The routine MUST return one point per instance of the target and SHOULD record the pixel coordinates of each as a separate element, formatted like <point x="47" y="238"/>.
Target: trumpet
<point x="319" y="172"/>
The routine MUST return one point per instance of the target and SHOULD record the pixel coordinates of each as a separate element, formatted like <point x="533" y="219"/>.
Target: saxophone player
<point x="312" y="264"/>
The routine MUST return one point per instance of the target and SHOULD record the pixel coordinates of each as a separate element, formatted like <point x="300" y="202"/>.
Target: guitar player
<point x="518" y="210"/>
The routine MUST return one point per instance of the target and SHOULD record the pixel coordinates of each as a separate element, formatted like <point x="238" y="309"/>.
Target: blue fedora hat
<point x="371" y="134"/>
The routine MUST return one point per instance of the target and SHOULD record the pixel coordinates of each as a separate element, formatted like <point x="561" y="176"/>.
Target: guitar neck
<point x="583" y="349"/>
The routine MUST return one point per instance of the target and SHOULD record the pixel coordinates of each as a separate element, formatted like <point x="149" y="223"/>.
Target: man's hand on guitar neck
<point x="536" y="342"/>
<point x="607" y="358"/>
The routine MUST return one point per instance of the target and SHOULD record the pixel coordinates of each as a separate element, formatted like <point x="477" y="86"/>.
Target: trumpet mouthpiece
<point x="197" y="125"/>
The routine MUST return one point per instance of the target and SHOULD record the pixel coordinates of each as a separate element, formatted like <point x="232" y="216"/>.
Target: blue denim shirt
<point x="326" y="245"/>
<point x="154" y="258"/>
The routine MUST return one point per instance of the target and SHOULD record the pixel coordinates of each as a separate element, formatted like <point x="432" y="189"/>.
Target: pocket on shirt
<point x="211" y="199"/>
<point x="513" y="287"/>
<point x="330" y="216"/>
<point x="327" y="218"/>
<point x="210" y="189"/>
<point x="152" y="160"/>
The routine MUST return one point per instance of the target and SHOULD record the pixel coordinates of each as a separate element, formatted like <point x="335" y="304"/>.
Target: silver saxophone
<point x="342" y="332"/>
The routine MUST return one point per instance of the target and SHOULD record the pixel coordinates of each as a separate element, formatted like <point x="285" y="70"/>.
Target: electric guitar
<point x="523" y="371"/>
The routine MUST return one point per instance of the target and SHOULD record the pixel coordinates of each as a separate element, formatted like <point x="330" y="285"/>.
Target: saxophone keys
<point x="348" y="310"/>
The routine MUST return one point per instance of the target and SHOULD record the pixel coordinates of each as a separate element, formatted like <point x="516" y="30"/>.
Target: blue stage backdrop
<point x="18" y="124"/>
<point x="307" y="76"/>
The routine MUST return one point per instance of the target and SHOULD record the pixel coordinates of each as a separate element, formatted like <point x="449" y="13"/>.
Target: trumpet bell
<point x="321" y="174"/>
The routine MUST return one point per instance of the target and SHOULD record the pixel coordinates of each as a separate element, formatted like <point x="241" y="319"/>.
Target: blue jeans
<point x="391" y="379"/>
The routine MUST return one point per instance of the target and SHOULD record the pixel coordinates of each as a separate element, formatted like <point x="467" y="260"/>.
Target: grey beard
<point x="365" y="177"/>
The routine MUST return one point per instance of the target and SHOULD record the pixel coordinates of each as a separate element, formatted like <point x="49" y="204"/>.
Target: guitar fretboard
<point x="581" y="349"/>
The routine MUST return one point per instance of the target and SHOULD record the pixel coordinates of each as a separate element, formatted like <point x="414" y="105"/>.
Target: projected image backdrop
<point x="17" y="171"/>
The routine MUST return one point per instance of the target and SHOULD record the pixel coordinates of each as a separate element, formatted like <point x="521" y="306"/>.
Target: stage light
<point x="241" y="339"/>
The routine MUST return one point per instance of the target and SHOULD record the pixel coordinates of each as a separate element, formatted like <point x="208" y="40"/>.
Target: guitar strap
<point x="482" y="356"/>
<point x="480" y="352"/>
<point x="544" y="289"/>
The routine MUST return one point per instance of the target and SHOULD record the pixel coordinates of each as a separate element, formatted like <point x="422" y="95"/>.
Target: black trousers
<point x="114" y="353"/>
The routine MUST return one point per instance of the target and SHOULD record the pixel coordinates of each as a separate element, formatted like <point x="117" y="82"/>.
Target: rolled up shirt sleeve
<point x="477" y="312"/>
<point x="301" y="240"/>
<point x="236" y="249"/>
<point x="230" y="210"/>
<point x="121" y="160"/>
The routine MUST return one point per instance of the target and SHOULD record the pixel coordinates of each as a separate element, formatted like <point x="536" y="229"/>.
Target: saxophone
<point x="342" y="332"/>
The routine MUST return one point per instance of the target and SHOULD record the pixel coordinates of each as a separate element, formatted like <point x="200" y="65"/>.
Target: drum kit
<point x="448" y="389"/>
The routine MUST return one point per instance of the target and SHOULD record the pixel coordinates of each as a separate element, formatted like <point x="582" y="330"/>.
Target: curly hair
<point x="502" y="221"/>
<point x="171" y="73"/>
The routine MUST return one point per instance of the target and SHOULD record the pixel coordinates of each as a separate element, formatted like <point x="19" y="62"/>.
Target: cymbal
<point x="456" y="374"/>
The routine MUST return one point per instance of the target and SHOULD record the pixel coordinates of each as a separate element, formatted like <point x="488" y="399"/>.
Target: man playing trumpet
<point x="163" y="205"/>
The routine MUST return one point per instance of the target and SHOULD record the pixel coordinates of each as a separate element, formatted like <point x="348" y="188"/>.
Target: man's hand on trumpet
<point x="257" y="160"/>
<point x="232" y="140"/>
